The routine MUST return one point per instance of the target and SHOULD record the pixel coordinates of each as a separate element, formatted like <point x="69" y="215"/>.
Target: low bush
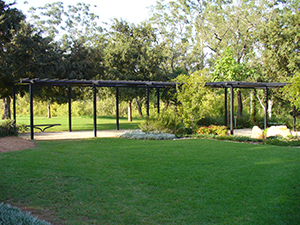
<point x="166" y="122"/>
<point x="12" y="215"/>
<point x="280" y="141"/>
<point x="8" y="128"/>
<point x="148" y="135"/>
<point x="213" y="129"/>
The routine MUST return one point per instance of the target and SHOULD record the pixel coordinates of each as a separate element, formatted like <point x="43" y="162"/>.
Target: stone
<point x="282" y="131"/>
<point x="257" y="133"/>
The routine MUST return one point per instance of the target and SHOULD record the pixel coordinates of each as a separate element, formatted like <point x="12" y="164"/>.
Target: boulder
<point x="257" y="133"/>
<point x="282" y="131"/>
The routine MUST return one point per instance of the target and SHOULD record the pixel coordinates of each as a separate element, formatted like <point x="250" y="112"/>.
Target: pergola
<point x="245" y="85"/>
<point x="88" y="83"/>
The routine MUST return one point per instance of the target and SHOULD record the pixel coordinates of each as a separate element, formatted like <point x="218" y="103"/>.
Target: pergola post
<point x="294" y="118"/>
<point x="14" y="104"/>
<point x="117" y="108"/>
<point x="225" y="104"/>
<point x="231" y="109"/>
<point x="31" y="111"/>
<point x="158" y="108"/>
<point x="95" y="109"/>
<point x="266" y="109"/>
<point x="70" y="109"/>
<point x="147" y="100"/>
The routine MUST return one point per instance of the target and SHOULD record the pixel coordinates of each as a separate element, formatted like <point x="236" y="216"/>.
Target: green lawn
<point x="118" y="181"/>
<point x="81" y="123"/>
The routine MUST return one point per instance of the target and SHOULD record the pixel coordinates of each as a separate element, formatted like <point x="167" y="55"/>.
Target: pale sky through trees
<point x="133" y="11"/>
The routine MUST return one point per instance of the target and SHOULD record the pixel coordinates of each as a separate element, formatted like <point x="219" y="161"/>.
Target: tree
<point x="191" y="96"/>
<point x="132" y="53"/>
<point x="28" y="55"/>
<point x="183" y="49"/>
<point x="10" y="19"/>
<point x="279" y="38"/>
<point x="67" y="26"/>
<point x="228" y="69"/>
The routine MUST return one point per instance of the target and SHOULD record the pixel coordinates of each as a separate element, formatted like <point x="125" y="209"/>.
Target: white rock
<point x="282" y="131"/>
<point x="257" y="133"/>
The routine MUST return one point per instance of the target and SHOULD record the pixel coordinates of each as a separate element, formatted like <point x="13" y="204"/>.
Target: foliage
<point x="293" y="90"/>
<point x="8" y="128"/>
<point x="167" y="121"/>
<point x="12" y="215"/>
<point x="191" y="96"/>
<point x="132" y="53"/>
<point x="279" y="37"/>
<point x="228" y="69"/>
<point x="148" y="135"/>
<point x="76" y="23"/>
<point x="280" y="141"/>
<point x="183" y="47"/>
<point x="212" y="129"/>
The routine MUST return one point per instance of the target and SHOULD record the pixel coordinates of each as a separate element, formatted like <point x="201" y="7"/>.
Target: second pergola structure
<point x="245" y="85"/>
<point x="89" y="83"/>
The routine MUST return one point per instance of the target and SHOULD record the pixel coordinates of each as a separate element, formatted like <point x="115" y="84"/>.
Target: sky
<point x="133" y="11"/>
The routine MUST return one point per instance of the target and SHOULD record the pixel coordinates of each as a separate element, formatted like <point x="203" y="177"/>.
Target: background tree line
<point x="232" y="40"/>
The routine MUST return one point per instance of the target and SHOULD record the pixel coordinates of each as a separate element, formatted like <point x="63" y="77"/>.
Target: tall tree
<point x="132" y="53"/>
<point x="183" y="52"/>
<point x="228" y="69"/>
<point x="28" y="55"/>
<point x="10" y="19"/>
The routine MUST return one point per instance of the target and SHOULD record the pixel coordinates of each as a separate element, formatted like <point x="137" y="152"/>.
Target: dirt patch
<point x="9" y="144"/>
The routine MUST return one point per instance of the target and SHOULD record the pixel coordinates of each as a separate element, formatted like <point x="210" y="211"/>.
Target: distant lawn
<point x="118" y="181"/>
<point x="84" y="123"/>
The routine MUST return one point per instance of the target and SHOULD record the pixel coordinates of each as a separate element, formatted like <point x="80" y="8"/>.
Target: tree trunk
<point x="253" y="108"/>
<point x="240" y="104"/>
<point x="138" y="107"/>
<point x="129" y="111"/>
<point x="270" y="105"/>
<point x="6" y="108"/>
<point x="49" y="110"/>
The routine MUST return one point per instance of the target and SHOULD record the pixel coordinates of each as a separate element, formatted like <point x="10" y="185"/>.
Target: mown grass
<point x="118" y="181"/>
<point x="83" y="123"/>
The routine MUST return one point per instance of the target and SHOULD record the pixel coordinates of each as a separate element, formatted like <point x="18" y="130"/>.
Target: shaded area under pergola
<point x="88" y="83"/>
<point x="246" y="85"/>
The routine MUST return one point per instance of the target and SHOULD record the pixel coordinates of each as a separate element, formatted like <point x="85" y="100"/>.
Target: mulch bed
<point x="9" y="144"/>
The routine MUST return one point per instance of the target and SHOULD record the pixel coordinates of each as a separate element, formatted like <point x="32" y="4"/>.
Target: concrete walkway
<point x="66" y="135"/>
<point x="73" y="135"/>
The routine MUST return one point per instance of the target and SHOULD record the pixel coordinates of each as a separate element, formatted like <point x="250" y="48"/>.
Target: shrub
<point x="12" y="215"/>
<point x="280" y="141"/>
<point x="213" y="129"/>
<point x="148" y="135"/>
<point x="166" y="122"/>
<point x="8" y="128"/>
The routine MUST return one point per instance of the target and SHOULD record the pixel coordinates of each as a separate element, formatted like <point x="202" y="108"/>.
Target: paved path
<point x="106" y="134"/>
<point x="100" y="134"/>
<point x="73" y="134"/>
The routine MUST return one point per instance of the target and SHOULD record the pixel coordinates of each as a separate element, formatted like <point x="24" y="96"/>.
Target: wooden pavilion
<point x="88" y="83"/>
<point x="245" y="85"/>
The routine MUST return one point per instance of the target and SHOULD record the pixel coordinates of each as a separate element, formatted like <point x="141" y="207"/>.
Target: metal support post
<point x="147" y="100"/>
<point x="117" y="107"/>
<point x="266" y="109"/>
<point x="231" y="110"/>
<point x="31" y="111"/>
<point x="95" y="110"/>
<point x="70" y="109"/>
<point x="158" y="108"/>
<point x="225" y="104"/>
